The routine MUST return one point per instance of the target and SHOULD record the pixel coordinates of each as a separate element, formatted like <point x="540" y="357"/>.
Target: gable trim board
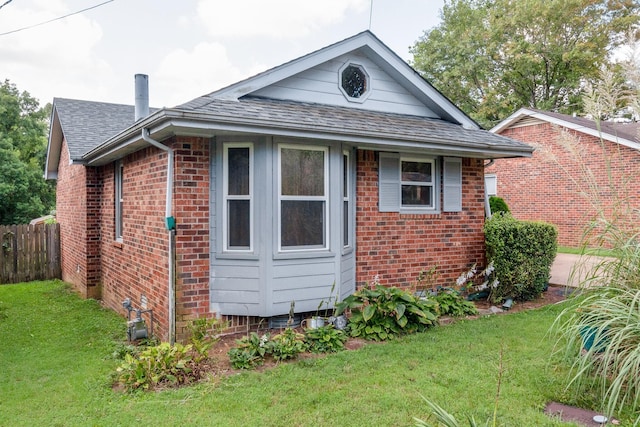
<point x="530" y="117"/>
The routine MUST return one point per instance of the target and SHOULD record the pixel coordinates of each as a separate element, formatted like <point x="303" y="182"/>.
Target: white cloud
<point x="275" y="18"/>
<point x="53" y="57"/>
<point x="183" y="75"/>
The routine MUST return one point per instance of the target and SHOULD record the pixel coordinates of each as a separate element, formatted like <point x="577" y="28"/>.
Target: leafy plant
<point x="204" y="334"/>
<point x="522" y="253"/>
<point x="451" y="303"/>
<point x="325" y="339"/>
<point x="601" y="334"/>
<point x="382" y="313"/>
<point x="156" y="366"/>
<point x="287" y="345"/>
<point x="497" y="204"/>
<point x="250" y="352"/>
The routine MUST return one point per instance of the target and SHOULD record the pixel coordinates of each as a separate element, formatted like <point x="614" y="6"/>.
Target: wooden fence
<point x="29" y="252"/>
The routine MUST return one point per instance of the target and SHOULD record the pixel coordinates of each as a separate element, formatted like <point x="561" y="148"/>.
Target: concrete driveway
<point x="572" y="270"/>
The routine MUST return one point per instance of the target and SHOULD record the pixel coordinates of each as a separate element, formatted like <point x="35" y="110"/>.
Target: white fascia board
<point x="523" y="112"/>
<point x="54" y="147"/>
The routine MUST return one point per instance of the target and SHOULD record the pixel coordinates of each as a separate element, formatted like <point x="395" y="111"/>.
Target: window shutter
<point x="389" y="182"/>
<point x="452" y="188"/>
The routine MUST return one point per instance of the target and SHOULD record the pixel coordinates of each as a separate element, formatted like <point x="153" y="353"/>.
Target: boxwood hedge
<point x="522" y="253"/>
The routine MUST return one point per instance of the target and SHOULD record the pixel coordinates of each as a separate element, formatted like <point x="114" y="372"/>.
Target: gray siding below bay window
<point x="265" y="281"/>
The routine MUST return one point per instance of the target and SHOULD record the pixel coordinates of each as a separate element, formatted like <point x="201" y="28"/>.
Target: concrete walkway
<point x="572" y="270"/>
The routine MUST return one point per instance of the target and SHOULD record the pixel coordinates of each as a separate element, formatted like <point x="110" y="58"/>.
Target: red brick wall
<point x="191" y="207"/>
<point x="566" y="184"/>
<point x="397" y="247"/>
<point x="139" y="265"/>
<point x="77" y="200"/>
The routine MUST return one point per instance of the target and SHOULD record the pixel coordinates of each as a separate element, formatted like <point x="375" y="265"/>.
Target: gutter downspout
<point x="170" y="223"/>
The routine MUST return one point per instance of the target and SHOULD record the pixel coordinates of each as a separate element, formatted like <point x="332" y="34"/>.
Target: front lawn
<point x="56" y="358"/>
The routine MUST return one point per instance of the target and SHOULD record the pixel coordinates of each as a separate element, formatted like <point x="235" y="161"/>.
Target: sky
<point x="187" y="47"/>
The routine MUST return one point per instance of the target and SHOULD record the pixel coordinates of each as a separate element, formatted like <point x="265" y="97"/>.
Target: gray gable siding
<point x="321" y="85"/>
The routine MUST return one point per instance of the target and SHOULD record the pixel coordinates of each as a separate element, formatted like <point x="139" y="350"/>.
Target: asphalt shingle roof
<point x="349" y="121"/>
<point x="622" y="130"/>
<point x="87" y="124"/>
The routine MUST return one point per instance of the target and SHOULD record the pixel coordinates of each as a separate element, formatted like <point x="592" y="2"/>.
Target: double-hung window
<point x="413" y="184"/>
<point x="418" y="182"/>
<point x="238" y="196"/>
<point x="346" y="199"/>
<point x="303" y="190"/>
<point x="119" y="199"/>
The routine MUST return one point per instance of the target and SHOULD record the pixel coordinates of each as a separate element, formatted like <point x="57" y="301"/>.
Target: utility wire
<point x="5" y="3"/>
<point x="54" y="19"/>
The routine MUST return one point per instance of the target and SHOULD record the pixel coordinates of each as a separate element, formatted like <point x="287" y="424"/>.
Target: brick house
<point x="335" y="167"/>
<point x="579" y="167"/>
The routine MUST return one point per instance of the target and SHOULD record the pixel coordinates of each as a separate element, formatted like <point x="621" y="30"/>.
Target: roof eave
<point x="524" y="112"/>
<point x="169" y="122"/>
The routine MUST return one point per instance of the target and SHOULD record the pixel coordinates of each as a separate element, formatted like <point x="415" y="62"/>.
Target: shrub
<point x="522" y="253"/>
<point x="286" y="345"/>
<point x="497" y="204"/>
<point x="451" y="303"/>
<point x="325" y="339"/>
<point x="381" y="313"/>
<point x="156" y="366"/>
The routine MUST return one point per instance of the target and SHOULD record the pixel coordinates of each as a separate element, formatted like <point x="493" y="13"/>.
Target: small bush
<point x="497" y="204"/>
<point x="451" y="303"/>
<point x="157" y="366"/>
<point x="287" y="345"/>
<point x="382" y="313"/>
<point x="522" y="253"/>
<point x="325" y="339"/>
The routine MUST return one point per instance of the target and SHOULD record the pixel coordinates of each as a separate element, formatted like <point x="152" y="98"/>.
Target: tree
<point x="491" y="57"/>
<point x="24" y="193"/>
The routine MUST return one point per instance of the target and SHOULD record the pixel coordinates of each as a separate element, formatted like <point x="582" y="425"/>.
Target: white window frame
<point x="324" y="198"/>
<point x="118" y="200"/>
<point x="491" y="183"/>
<point x="226" y="197"/>
<point x="346" y="197"/>
<point x="433" y="183"/>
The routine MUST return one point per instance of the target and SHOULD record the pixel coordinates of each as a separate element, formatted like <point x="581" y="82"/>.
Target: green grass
<point x="56" y="366"/>
<point x="586" y="251"/>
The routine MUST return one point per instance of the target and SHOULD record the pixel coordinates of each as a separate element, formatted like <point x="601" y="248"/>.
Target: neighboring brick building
<point x="577" y="170"/>
<point x="336" y="167"/>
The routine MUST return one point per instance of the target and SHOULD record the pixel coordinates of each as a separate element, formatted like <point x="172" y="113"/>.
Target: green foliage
<point x="600" y="334"/>
<point x="24" y="194"/>
<point x="250" y="352"/>
<point x="205" y="333"/>
<point x="157" y="366"/>
<point x="491" y="58"/>
<point x="522" y="253"/>
<point x="452" y="303"/>
<point x="287" y="345"/>
<point x="497" y="204"/>
<point x="382" y="313"/>
<point x="325" y="339"/>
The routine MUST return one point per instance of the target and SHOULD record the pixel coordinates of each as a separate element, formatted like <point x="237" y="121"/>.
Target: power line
<point x="5" y="3"/>
<point x="54" y="19"/>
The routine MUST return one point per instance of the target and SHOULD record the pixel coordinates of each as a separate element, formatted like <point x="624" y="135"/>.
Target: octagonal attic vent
<point x="354" y="83"/>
